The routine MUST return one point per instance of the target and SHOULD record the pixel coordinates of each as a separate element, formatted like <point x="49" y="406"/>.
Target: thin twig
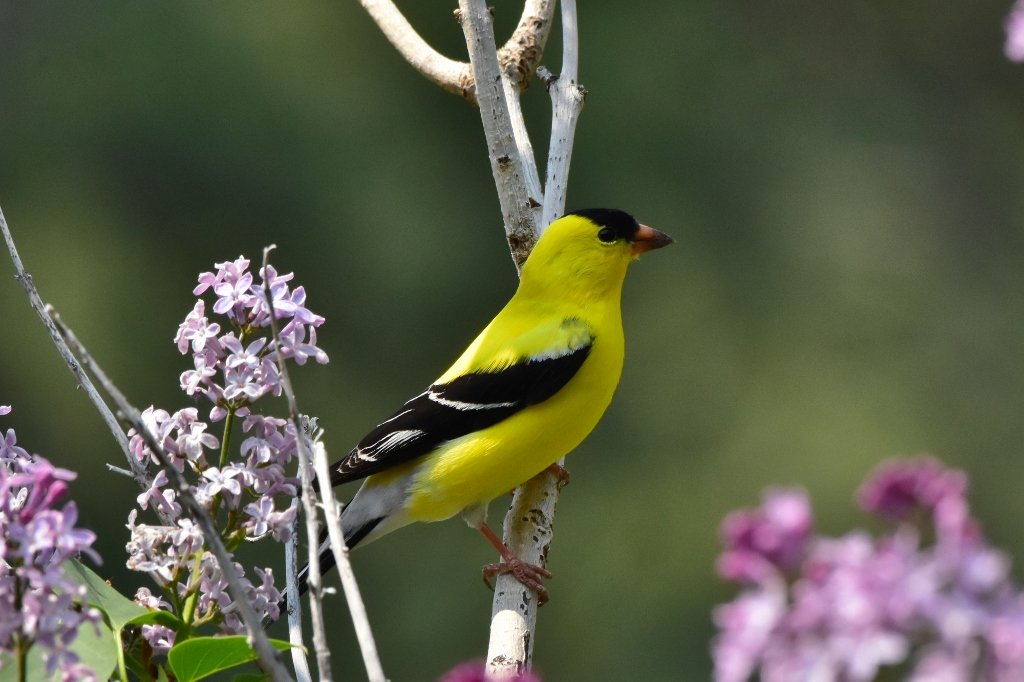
<point x="91" y="367"/>
<point x="291" y="568"/>
<point x="314" y="582"/>
<point x="303" y="437"/>
<point x="348" y="578"/>
<point x="521" y="135"/>
<point x="81" y="377"/>
<point x="567" y="98"/>
<point x="305" y="457"/>
<point x="266" y="655"/>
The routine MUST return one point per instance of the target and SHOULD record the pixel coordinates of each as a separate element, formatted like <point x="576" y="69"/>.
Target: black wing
<point x="445" y="412"/>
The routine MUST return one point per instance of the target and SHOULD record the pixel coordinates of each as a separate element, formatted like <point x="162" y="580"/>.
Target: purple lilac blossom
<point x="817" y="607"/>
<point x="1014" y="25"/>
<point x="234" y="364"/>
<point x="39" y="605"/>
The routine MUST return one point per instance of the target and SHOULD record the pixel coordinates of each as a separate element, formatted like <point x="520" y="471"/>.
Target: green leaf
<point x="201" y="657"/>
<point x="97" y="651"/>
<point x="165" y="618"/>
<point x="119" y="608"/>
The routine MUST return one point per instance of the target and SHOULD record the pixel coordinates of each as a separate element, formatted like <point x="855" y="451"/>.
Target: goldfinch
<point x="525" y="392"/>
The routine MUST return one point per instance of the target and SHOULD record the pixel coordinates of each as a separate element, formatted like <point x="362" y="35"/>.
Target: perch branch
<point x="495" y="81"/>
<point x="529" y="523"/>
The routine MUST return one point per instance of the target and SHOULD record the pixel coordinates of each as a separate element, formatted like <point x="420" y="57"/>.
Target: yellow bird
<point x="527" y="391"/>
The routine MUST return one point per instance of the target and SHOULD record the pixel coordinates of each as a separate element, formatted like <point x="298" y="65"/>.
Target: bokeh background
<point x="845" y="183"/>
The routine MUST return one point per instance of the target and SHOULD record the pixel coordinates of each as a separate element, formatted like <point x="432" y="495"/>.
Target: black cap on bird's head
<point x="616" y="224"/>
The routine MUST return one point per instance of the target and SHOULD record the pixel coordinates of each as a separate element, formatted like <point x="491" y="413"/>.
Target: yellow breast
<point x="481" y="466"/>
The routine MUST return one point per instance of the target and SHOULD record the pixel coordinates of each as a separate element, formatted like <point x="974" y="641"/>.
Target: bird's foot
<point x="529" y="575"/>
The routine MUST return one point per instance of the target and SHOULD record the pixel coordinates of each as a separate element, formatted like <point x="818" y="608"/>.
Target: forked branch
<point x="519" y="56"/>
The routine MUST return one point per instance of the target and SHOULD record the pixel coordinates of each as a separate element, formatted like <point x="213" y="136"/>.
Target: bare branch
<point x="519" y="56"/>
<point x="507" y="164"/>
<point x="314" y="581"/>
<point x="50" y="321"/>
<point x="452" y="76"/>
<point x="291" y="569"/>
<point x="567" y="98"/>
<point x="522" y="141"/>
<point x="348" y="579"/>
<point x="305" y="446"/>
<point x="529" y="523"/>
<point x="302" y="440"/>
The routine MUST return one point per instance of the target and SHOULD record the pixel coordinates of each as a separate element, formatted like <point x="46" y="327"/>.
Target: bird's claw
<point x="529" y="575"/>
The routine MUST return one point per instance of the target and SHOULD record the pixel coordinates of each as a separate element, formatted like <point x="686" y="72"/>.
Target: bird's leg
<point x="528" y="574"/>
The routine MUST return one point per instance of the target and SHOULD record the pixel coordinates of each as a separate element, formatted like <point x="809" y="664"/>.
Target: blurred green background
<point x="845" y="183"/>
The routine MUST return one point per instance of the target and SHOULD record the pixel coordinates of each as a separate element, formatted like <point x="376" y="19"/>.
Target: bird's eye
<point x="607" y="234"/>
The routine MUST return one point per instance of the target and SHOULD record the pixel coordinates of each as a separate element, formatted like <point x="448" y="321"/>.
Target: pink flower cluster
<point x="1014" y="47"/>
<point x="39" y="605"/>
<point x="928" y="599"/>
<point x="235" y="363"/>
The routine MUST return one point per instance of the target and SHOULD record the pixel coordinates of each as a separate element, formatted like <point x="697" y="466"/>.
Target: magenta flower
<point x="846" y="608"/>
<point x="1014" y="25"/>
<point x="39" y="605"/>
<point x="900" y="488"/>
<point x="770" y="538"/>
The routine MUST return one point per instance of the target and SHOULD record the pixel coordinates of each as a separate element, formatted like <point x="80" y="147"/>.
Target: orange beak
<point x="648" y="239"/>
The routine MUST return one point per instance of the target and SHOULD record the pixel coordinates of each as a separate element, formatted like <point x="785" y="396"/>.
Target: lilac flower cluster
<point x="235" y="363"/>
<point x="844" y="608"/>
<point x="1014" y="47"/>
<point x="244" y="359"/>
<point x="39" y="605"/>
